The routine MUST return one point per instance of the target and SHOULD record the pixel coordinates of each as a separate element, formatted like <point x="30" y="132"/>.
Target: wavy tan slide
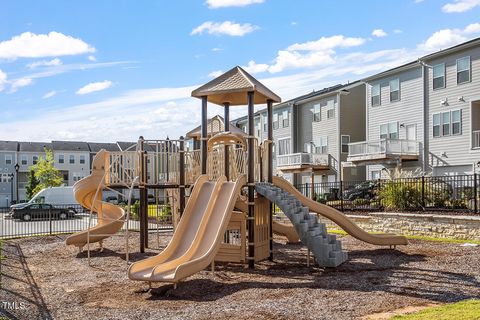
<point x="339" y="218"/>
<point x="196" y="241"/>
<point x="286" y="230"/>
<point x="110" y="217"/>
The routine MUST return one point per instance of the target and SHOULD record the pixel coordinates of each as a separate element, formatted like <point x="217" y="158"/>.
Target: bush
<point x="457" y="204"/>
<point x="134" y="210"/>
<point x="361" y="202"/>
<point x="404" y="195"/>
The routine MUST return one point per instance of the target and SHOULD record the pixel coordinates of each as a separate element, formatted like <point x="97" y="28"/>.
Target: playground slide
<point x="282" y="229"/>
<point x="339" y="218"/>
<point x="110" y="217"/>
<point x="168" y="267"/>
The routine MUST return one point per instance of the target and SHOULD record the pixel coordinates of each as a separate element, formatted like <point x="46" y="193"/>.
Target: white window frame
<point x="450" y="124"/>
<point x="275" y="121"/>
<point x="285" y="116"/>
<point x="84" y="159"/>
<point x="281" y="147"/>
<point x="331" y="108"/>
<point x="23" y="160"/>
<point x="8" y="158"/>
<point x="390" y="87"/>
<point x="35" y="159"/>
<point x="379" y="95"/>
<point x="71" y="159"/>
<point x="317" y="112"/>
<point x="389" y="132"/>
<point x="443" y="76"/>
<point x="344" y="144"/>
<point x="469" y="70"/>
<point x="61" y="158"/>
<point x="321" y="145"/>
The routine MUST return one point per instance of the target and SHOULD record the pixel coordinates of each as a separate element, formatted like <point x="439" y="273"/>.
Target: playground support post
<point x="270" y="167"/>
<point x="204" y="135"/>
<point x="251" y="183"/>
<point x="226" y="120"/>
<point x="182" y="175"/>
<point x="143" y="197"/>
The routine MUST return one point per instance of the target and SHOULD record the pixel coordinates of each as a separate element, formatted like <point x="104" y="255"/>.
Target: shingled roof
<point x="97" y="146"/>
<point x="213" y="128"/>
<point x="8" y="145"/>
<point x="34" y="146"/>
<point x="70" y="146"/>
<point x="232" y="87"/>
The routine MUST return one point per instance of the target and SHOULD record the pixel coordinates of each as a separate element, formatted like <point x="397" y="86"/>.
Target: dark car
<point x="41" y="211"/>
<point x="364" y="190"/>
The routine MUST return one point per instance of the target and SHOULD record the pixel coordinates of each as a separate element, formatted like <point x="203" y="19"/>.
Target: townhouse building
<point x="8" y="160"/>
<point x="72" y="158"/>
<point x="424" y="116"/>
<point x="311" y="133"/>
<point x="452" y="82"/>
<point x="28" y="155"/>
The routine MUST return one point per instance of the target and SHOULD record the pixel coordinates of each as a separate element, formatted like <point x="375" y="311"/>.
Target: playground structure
<point x="218" y="220"/>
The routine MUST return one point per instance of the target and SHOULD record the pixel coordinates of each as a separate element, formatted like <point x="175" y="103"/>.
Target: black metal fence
<point x="46" y="220"/>
<point x="443" y="193"/>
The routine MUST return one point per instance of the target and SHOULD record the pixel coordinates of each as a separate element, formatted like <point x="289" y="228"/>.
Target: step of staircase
<point x="325" y="247"/>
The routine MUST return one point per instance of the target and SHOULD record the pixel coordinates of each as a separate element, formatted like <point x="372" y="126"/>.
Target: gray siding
<point x="455" y="150"/>
<point x="409" y="110"/>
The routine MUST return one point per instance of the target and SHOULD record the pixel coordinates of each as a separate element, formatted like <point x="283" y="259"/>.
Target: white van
<point x="56" y="196"/>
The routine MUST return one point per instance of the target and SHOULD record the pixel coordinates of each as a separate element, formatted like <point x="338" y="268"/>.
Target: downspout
<point x="339" y="175"/>
<point x="425" y="115"/>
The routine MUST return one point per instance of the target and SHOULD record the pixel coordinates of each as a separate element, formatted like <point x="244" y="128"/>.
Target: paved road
<point x="16" y="228"/>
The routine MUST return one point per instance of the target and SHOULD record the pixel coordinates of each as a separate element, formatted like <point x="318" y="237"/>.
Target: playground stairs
<point x="325" y="247"/>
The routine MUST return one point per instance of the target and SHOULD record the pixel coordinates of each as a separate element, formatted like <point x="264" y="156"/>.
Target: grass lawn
<point x="465" y="310"/>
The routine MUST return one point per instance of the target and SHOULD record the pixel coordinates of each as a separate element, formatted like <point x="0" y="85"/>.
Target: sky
<point x="113" y="70"/>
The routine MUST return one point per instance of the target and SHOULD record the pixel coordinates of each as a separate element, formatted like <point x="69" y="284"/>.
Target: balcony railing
<point x="382" y="149"/>
<point x="476" y="139"/>
<point x="298" y="159"/>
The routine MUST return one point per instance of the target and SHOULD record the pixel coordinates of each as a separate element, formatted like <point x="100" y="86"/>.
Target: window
<point x="395" y="90"/>
<point x="345" y="142"/>
<point x="376" y="101"/>
<point x="265" y="127"/>
<point x="71" y="159"/>
<point x="463" y="70"/>
<point x="376" y="174"/>
<point x="286" y="120"/>
<point x="447" y="123"/>
<point x="330" y="109"/>
<point x="82" y="159"/>
<point x="23" y="160"/>
<point x="275" y="121"/>
<point x="8" y="159"/>
<point x="283" y="146"/>
<point x="316" y="110"/>
<point x="321" y="145"/>
<point x="389" y="131"/>
<point x="439" y="76"/>
<point x="35" y="159"/>
<point x="61" y="158"/>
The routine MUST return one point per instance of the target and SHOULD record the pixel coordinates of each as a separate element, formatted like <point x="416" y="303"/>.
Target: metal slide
<point x="339" y="218"/>
<point x="88" y="192"/>
<point x="198" y="236"/>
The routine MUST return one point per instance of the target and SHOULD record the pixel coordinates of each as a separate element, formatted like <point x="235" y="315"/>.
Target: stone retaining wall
<point x="428" y="225"/>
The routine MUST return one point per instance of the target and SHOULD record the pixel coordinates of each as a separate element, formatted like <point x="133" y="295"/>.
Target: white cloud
<point x="215" y="73"/>
<point x="214" y="4"/>
<point x="217" y="49"/>
<point x="49" y="94"/>
<point x="20" y="83"/>
<point x="327" y="43"/>
<point x="94" y="87"/>
<point x="253" y="67"/>
<point x="293" y="23"/>
<point x="44" y="63"/>
<point x="449" y="37"/>
<point x="3" y="80"/>
<point x="460" y="6"/>
<point x="397" y="31"/>
<point x="224" y="28"/>
<point x="379" y="33"/>
<point x="31" y="45"/>
<point x="92" y="58"/>
<point x="418" y="1"/>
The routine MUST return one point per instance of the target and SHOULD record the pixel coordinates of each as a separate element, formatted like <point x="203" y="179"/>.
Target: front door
<point x="411" y="136"/>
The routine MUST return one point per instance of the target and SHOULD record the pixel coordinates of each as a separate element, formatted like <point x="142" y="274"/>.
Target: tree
<point x="31" y="184"/>
<point x="46" y="173"/>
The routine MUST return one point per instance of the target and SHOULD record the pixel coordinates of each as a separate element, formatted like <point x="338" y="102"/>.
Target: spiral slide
<point x="198" y="236"/>
<point x="110" y="217"/>
<point x="339" y="218"/>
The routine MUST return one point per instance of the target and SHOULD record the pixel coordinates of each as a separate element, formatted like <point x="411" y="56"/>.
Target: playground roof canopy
<point x="232" y="87"/>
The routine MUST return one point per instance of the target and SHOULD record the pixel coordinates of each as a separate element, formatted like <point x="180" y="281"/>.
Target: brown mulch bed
<point x="48" y="280"/>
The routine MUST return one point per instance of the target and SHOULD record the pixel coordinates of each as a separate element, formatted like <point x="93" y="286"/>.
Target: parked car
<point x="365" y="190"/>
<point x="41" y="211"/>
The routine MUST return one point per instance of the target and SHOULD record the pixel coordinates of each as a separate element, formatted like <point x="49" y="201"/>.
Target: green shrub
<point x="361" y="202"/>
<point x="457" y="204"/>
<point x="134" y="210"/>
<point x="402" y="195"/>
